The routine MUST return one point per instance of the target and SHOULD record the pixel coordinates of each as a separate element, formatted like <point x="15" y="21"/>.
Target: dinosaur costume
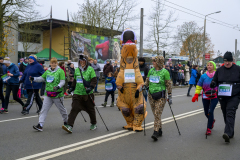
<point x="129" y="82"/>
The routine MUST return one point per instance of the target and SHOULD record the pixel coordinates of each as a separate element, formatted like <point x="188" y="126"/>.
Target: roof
<point x="44" y="55"/>
<point x="56" y="23"/>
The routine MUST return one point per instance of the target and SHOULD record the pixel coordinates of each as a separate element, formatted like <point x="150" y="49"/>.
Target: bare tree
<point x="189" y="39"/>
<point x="14" y="11"/>
<point x="160" y="26"/>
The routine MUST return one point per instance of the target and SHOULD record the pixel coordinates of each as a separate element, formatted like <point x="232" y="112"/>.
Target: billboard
<point x="96" y="47"/>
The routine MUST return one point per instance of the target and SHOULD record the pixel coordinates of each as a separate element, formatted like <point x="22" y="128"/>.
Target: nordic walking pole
<point x="35" y="98"/>
<point x="144" y="114"/>
<point x="98" y="112"/>
<point x="174" y="118"/>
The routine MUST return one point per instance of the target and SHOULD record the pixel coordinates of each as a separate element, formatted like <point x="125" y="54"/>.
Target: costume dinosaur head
<point x="160" y="61"/>
<point x="129" y="51"/>
<point x="83" y="57"/>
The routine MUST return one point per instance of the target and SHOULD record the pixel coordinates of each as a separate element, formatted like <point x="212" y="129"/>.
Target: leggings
<point x="107" y="94"/>
<point x="209" y="106"/>
<point x="1" y="95"/>
<point x="14" y="89"/>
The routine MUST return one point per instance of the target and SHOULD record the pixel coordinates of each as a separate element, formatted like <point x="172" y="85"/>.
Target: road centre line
<point x="112" y="136"/>
<point x="108" y="139"/>
<point x="37" y="116"/>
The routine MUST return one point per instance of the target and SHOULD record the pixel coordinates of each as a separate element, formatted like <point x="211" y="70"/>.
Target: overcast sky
<point x="222" y="37"/>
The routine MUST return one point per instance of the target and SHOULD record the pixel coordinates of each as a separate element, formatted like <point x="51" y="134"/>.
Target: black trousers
<point x="1" y="95"/>
<point x="14" y="89"/>
<point x="229" y="106"/>
<point x="190" y="87"/>
<point x="31" y="93"/>
<point x="82" y="103"/>
<point x="109" y="93"/>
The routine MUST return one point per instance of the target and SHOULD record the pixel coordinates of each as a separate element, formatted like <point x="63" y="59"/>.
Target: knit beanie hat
<point x="214" y="65"/>
<point x="7" y="60"/>
<point x="34" y="57"/>
<point x="21" y="59"/>
<point x="228" y="57"/>
<point x="108" y="60"/>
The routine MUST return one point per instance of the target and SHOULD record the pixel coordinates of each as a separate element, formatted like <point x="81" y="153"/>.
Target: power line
<point x="198" y="13"/>
<point x="199" y="17"/>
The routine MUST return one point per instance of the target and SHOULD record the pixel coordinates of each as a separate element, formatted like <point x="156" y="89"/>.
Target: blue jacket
<point x="13" y="69"/>
<point x="113" y="81"/>
<point x="34" y="70"/>
<point x="4" y="68"/>
<point x="193" y="77"/>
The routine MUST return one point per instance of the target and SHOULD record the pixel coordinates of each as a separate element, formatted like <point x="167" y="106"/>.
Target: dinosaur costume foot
<point x="128" y="127"/>
<point x="138" y="129"/>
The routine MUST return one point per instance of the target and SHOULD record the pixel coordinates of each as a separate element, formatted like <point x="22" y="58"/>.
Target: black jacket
<point x="144" y="68"/>
<point x="22" y="67"/>
<point x="229" y="76"/>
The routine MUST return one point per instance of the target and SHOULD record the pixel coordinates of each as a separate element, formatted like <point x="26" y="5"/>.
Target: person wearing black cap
<point x="227" y="79"/>
<point x="144" y="72"/>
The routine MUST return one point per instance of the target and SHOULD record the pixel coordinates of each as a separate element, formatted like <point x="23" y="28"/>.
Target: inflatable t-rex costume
<point x="129" y="82"/>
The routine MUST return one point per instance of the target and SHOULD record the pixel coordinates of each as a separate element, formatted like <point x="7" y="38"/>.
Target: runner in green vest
<point x="81" y="99"/>
<point x="158" y="80"/>
<point x="55" y="80"/>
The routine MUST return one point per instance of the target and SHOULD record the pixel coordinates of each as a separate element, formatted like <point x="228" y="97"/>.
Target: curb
<point x="95" y="94"/>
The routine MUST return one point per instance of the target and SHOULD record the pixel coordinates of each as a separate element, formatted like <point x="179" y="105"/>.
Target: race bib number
<point x="50" y="78"/>
<point x="5" y="77"/>
<point x="79" y="79"/>
<point x="109" y="86"/>
<point x="129" y="75"/>
<point x="142" y="73"/>
<point x="204" y="96"/>
<point x="154" y="79"/>
<point x="225" y="90"/>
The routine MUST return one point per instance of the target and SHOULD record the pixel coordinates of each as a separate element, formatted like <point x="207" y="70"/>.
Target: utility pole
<point x="236" y="49"/>
<point x="50" y="46"/>
<point x="204" y="36"/>
<point x="141" y="33"/>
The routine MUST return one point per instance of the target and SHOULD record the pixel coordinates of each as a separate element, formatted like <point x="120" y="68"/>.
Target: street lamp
<point x="204" y="35"/>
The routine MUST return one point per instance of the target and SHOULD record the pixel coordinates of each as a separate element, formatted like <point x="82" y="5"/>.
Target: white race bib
<point x="154" y="79"/>
<point x="50" y="78"/>
<point x="204" y="96"/>
<point x="109" y="86"/>
<point x="129" y="75"/>
<point x="225" y="90"/>
<point x="79" y="79"/>
<point x="142" y="73"/>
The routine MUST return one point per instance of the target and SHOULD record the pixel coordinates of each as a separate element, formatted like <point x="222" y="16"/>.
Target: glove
<point x="137" y="94"/>
<point x="89" y="89"/>
<point x="70" y="90"/>
<point x="169" y="99"/>
<point x="195" y="98"/>
<point x="56" y="88"/>
<point x="31" y="78"/>
<point x="121" y="90"/>
<point x="213" y="84"/>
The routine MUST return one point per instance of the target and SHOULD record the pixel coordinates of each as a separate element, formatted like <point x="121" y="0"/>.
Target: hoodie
<point x="110" y="84"/>
<point x="34" y="70"/>
<point x="158" y="80"/>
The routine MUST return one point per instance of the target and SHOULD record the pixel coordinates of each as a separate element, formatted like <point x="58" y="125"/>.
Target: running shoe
<point x="226" y="137"/>
<point x="3" y="110"/>
<point x="67" y="128"/>
<point x="208" y="132"/>
<point x="93" y="127"/>
<point x="38" y="127"/>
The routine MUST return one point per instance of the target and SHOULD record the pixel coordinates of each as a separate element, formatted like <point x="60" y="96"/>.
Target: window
<point x="29" y="37"/>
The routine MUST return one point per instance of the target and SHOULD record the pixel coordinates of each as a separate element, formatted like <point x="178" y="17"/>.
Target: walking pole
<point x="208" y="113"/>
<point x="174" y="118"/>
<point x="35" y="98"/>
<point x="98" y="112"/>
<point x="144" y="90"/>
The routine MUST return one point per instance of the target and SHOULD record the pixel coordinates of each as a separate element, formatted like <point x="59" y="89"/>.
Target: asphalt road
<point x="20" y="141"/>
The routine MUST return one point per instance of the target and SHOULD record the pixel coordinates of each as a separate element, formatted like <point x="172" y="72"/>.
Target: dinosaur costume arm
<point x="120" y="79"/>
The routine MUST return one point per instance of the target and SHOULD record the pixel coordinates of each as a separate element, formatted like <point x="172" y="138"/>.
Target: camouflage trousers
<point x="157" y="109"/>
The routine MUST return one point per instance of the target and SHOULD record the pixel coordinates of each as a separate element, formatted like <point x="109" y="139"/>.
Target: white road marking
<point x="105" y="138"/>
<point x="17" y="119"/>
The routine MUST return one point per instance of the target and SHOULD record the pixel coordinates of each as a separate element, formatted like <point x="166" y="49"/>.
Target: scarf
<point x="210" y="75"/>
